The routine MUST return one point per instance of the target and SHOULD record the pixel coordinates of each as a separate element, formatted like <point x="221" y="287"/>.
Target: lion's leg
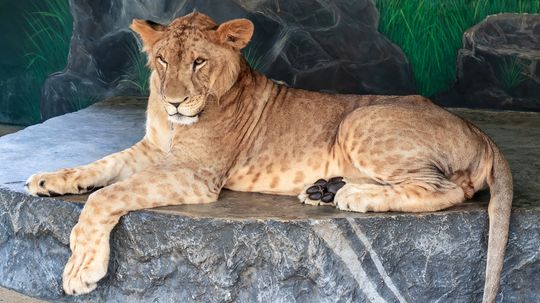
<point x="89" y="240"/>
<point x="361" y="196"/>
<point x="403" y="164"/>
<point x="408" y="197"/>
<point x="103" y="172"/>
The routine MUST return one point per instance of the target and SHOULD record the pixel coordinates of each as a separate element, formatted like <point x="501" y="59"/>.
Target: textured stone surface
<point x="74" y="139"/>
<point x="314" y="44"/>
<point x="254" y="247"/>
<point x="499" y="64"/>
<point x="170" y="257"/>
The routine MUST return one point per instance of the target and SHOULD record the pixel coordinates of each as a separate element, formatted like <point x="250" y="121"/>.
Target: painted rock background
<point x="319" y="45"/>
<point x="499" y="64"/>
<point x="60" y="56"/>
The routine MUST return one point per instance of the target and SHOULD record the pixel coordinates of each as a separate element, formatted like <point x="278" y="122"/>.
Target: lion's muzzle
<point x="185" y="112"/>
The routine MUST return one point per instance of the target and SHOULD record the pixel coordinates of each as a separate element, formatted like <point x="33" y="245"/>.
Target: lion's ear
<point x="235" y="33"/>
<point x="149" y="31"/>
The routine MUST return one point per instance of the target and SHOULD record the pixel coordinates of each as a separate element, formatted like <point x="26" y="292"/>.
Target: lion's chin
<point x="183" y="120"/>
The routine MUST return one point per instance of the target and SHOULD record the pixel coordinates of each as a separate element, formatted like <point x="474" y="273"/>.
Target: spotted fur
<point x="214" y="123"/>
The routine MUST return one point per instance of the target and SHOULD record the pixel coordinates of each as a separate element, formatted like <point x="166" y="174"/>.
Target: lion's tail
<point x="500" y="185"/>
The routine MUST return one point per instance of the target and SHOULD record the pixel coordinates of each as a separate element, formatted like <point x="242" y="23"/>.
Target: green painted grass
<point x="48" y="32"/>
<point x="430" y="33"/>
<point x="512" y="73"/>
<point x="253" y="56"/>
<point x="139" y="74"/>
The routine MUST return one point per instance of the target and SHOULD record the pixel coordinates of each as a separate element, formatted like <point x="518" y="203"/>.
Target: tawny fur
<point x="214" y="123"/>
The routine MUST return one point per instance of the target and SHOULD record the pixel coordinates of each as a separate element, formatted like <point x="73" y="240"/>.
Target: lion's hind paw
<point x="322" y="192"/>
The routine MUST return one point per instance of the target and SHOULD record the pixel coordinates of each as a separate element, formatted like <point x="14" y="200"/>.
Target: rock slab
<point x="255" y="247"/>
<point x="312" y="44"/>
<point x="161" y="257"/>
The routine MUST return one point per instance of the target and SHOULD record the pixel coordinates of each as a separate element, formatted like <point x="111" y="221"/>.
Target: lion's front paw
<point x="87" y="265"/>
<point x="82" y="273"/>
<point x="54" y="184"/>
<point x="47" y="184"/>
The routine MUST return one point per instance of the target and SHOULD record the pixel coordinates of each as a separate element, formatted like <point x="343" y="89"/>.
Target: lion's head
<point x="192" y="59"/>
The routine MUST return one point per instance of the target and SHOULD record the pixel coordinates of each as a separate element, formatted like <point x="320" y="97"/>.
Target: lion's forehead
<point x="177" y="47"/>
<point x="188" y="33"/>
<point x="194" y="20"/>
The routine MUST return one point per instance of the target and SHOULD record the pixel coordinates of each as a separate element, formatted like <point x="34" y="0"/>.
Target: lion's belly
<point x="288" y="182"/>
<point x="288" y="175"/>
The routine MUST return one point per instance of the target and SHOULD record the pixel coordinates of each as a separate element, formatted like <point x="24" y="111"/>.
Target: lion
<point x="214" y="123"/>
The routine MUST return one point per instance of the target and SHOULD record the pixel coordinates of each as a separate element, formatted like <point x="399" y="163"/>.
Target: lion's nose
<point x="177" y="103"/>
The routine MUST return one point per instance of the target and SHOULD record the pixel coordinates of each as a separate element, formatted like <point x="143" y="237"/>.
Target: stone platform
<point x="254" y="247"/>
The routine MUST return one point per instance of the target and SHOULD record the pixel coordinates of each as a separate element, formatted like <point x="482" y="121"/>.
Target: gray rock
<point x="167" y="257"/>
<point x="499" y="64"/>
<point x="313" y="44"/>
<point x="254" y="247"/>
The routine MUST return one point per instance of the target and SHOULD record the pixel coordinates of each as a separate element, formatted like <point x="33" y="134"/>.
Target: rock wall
<point x="16" y="104"/>
<point x="313" y="44"/>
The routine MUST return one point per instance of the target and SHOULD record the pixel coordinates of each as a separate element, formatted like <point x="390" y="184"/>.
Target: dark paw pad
<point x="53" y="194"/>
<point x="327" y="197"/>
<point x="49" y="194"/>
<point x="315" y="196"/>
<point x="88" y="188"/>
<point x="325" y="190"/>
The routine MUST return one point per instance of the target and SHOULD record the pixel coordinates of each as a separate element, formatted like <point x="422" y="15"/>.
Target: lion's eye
<point x="161" y="60"/>
<point x="198" y="62"/>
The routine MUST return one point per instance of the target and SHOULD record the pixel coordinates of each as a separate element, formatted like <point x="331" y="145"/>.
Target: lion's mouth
<point x="190" y="116"/>
<point x="178" y="118"/>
